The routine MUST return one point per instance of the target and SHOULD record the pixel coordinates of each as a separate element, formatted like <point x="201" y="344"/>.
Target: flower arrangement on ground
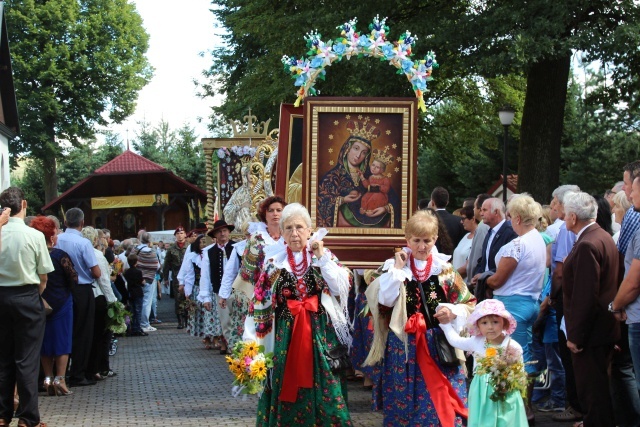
<point x="249" y="364"/>
<point x="505" y="371"/>
<point x="117" y="316"/>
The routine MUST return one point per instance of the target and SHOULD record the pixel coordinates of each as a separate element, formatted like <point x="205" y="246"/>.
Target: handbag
<point x="47" y="308"/>
<point x="338" y="358"/>
<point x="446" y="352"/>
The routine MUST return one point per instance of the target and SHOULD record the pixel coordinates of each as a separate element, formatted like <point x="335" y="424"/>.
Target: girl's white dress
<point x="484" y="412"/>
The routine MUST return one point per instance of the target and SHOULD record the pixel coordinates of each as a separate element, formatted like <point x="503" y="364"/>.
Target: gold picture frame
<point x="343" y="138"/>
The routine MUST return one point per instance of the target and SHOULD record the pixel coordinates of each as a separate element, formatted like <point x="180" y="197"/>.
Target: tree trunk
<point x="49" y="167"/>
<point x="541" y="129"/>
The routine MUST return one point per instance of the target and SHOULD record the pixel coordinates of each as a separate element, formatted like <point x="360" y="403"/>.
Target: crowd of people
<point x="552" y="291"/>
<point x="57" y="285"/>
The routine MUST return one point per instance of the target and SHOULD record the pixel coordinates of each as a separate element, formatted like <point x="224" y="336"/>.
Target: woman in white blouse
<point x="462" y="251"/>
<point x="520" y="271"/>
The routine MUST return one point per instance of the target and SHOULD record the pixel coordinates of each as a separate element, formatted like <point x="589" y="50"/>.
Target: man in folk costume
<point x="213" y="263"/>
<point x="172" y="263"/>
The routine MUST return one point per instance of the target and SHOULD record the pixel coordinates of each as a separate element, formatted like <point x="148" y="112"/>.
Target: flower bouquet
<point x="117" y="316"/>
<point x="189" y="306"/>
<point x="505" y="370"/>
<point x="249" y="364"/>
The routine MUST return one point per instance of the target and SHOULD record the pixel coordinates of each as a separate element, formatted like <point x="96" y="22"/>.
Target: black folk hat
<point x="219" y="224"/>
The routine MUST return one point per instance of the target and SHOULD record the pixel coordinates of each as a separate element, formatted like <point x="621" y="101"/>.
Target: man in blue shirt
<point x="631" y="220"/>
<point x="84" y="260"/>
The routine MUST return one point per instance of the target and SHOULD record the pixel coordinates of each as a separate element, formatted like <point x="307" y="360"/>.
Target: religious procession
<point x="388" y="255"/>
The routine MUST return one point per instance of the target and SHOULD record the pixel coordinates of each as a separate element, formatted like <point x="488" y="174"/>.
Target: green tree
<point x="77" y="163"/>
<point x="599" y="139"/>
<point x="187" y="157"/>
<point x="534" y="39"/>
<point x="76" y="64"/>
<point x="31" y="183"/>
<point x="179" y="150"/>
<point x="148" y="141"/>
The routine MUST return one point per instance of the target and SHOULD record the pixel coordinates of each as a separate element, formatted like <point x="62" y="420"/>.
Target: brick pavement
<point x="168" y="379"/>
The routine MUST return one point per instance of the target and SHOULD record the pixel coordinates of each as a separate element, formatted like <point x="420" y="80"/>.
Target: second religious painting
<point x="360" y="164"/>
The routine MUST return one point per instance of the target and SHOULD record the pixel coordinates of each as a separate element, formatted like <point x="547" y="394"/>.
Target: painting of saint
<point x="360" y="187"/>
<point x="159" y="201"/>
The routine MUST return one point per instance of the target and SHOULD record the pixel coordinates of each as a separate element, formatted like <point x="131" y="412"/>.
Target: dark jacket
<point x="590" y="279"/>
<point x="453" y="224"/>
<point x="133" y="276"/>
<point x="504" y="236"/>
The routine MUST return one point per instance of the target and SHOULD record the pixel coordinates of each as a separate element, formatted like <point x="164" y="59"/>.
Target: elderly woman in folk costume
<point x="297" y="316"/>
<point x="266" y="239"/>
<point x="416" y="386"/>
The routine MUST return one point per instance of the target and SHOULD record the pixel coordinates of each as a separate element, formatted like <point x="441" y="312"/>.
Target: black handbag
<point x="338" y="358"/>
<point x="446" y="352"/>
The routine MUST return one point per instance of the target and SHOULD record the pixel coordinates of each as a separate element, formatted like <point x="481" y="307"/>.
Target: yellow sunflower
<point x="250" y="349"/>
<point x="258" y="370"/>
<point x="237" y="368"/>
<point x="230" y="360"/>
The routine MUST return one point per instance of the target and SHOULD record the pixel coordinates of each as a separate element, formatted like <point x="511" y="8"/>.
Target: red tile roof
<point x="129" y="163"/>
<point x="512" y="184"/>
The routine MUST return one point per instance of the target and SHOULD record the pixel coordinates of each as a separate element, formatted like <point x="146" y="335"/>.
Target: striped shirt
<point x="147" y="262"/>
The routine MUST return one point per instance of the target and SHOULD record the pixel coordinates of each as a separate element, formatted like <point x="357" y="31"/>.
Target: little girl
<point x="490" y="326"/>
<point x="378" y="186"/>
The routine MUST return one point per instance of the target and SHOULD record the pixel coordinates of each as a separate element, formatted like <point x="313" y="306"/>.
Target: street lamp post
<point x="506" y="114"/>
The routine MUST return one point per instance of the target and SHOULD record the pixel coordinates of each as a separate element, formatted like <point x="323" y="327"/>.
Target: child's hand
<point x="444" y="315"/>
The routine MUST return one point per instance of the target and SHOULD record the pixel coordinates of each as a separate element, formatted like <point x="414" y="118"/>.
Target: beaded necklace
<point x="298" y="271"/>
<point x="421" y="274"/>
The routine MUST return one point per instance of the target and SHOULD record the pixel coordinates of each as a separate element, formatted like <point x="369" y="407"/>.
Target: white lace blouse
<point x="530" y="253"/>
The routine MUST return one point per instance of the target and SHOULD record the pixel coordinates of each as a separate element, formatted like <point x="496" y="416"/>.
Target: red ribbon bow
<point x="444" y="397"/>
<point x="298" y="369"/>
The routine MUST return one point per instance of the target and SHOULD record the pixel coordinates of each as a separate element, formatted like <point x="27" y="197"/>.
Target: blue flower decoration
<point x="387" y="51"/>
<point x="364" y="42"/>
<point x="407" y="65"/>
<point x="419" y="84"/>
<point x="301" y="80"/>
<point x="339" y="48"/>
<point x="316" y="62"/>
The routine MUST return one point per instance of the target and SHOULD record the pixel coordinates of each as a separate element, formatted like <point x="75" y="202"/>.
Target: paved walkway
<point x="169" y="379"/>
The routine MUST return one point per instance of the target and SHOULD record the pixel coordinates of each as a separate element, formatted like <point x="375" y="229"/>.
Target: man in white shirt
<point x="214" y="259"/>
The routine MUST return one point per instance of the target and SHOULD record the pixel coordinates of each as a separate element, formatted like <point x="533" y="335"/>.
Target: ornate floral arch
<point x="307" y="69"/>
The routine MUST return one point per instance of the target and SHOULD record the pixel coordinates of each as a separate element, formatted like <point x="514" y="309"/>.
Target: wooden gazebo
<point x="131" y="192"/>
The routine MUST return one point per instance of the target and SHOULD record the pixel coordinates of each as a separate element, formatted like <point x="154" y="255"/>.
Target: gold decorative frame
<point x="406" y="108"/>
<point x="362" y="247"/>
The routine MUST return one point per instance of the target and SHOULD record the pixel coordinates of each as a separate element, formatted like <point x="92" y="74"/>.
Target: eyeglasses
<point x="298" y="229"/>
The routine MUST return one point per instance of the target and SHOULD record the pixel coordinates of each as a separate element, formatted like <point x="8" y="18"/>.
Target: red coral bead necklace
<point x="298" y="269"/>
<point x="421" y="274"/>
